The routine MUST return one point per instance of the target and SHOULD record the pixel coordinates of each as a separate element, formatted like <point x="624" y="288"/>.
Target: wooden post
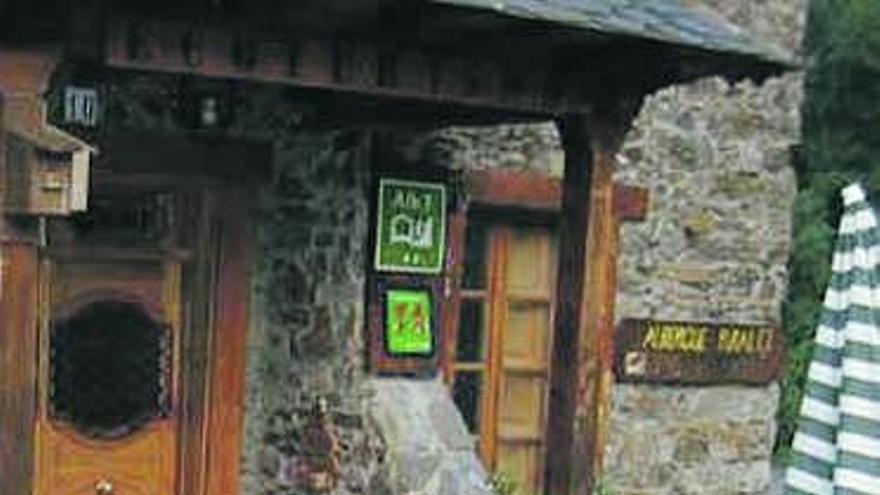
<point x="3" y="165"/>
<point x="18" y="344"/>
<point x="567" y="448"/>
<point x="581" y="374"/>
<point x="452" y="296"/>
<point x="599" y="298"/>
<point x="227" y="368"/>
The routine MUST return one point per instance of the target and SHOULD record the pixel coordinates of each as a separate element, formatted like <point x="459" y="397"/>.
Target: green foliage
<point x="602" y="488"/>
<point x="841" y="133"/>
<point x="502" y="484"/>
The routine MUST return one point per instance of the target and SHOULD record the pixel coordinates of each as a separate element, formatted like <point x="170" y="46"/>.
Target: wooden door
<point x="139" y="347"/>
<point x="108" y="361"/>
<point x="503" y="342"/>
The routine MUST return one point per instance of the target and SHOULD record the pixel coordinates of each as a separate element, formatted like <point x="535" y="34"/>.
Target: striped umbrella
<point x="837" y="445"/>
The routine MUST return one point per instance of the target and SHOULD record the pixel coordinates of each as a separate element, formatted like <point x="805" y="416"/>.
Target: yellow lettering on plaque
<point x="765" y="341"/>
<point x="652" y="338"/>
<point x="738" y="340"/>
<point x="675" y="338"/>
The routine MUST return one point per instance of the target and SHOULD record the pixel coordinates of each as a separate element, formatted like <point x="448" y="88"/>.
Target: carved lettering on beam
<point x="347" y="65"/>
<point x="315" y="68"/>
<point x="472" y="83"/>
<point x="414" y="72"/>
<point x="388" y="67"/>
<point x="244" y="51"/>
<point x="513" y="83"/>
<point x="192" y="43"/>
<point x="364" y="65"/>
<point x="137" y="42"/>
<point x="294" y="57"/>
<point x="448" y="76"/>
<point x="279" y="57"/>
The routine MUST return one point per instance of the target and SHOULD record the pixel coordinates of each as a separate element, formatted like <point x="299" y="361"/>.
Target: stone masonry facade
<point x="716" y="159"/>
<point x="306" y="343"/>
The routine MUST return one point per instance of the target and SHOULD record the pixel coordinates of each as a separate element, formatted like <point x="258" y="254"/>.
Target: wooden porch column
<point x="18" y="344"/>
<point x="581" y="376"/>
<point x="18" y="351"/>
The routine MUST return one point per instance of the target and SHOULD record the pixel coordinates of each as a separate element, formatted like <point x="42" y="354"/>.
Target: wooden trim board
<point x="538" y="192"/>
<point x="225" y="402"/>
<point x="18" y="374"/>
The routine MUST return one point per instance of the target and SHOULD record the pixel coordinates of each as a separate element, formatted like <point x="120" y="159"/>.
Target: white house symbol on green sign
<point x="411" y="226"/>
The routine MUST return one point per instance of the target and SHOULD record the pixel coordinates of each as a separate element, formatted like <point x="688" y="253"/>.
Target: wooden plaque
<point x="697" y="353"/>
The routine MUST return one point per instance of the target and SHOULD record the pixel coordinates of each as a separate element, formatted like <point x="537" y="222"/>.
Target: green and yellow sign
<point x="411" y="227"/>
<point x="408" y="317"/>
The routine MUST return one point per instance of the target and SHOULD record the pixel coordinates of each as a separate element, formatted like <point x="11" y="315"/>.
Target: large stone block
<point x="429" y="448"/>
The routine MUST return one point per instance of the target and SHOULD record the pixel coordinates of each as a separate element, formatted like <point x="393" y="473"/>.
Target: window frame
<point x="528" y="196"/>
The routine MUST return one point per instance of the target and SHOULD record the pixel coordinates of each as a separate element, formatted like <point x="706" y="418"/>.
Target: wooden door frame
<point x="496" y="298"/>
<point x="518" y="193"/>
<point x="224" y="423"/>
<point x="213" y="465"/>
<point x="18" y="365"/>
<point x="225" y="172"/>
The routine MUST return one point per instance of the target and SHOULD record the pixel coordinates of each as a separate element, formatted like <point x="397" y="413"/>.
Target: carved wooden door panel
<point x="108" y="361"/>
<point x="110" y="333"/>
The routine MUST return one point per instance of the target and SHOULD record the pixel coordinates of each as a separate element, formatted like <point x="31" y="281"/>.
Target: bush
<point x="841" y="133"/>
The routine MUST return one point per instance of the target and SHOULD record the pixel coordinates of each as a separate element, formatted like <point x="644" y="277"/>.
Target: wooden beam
<point x="155" y="153"/>
<point x="598" y="306"/>
<point x="455" y="253"/>
<point x="514" y="189"/>
<point x="538" y="191"/>
<point x="609" y="206"/>
<point x="364" y="67"/>
<point x="581" y="371"/>
<point x="18" y="351"/>
<point x="567" y="389"/>
<point x="18" y="340"/>
<point x="227" y="366"/>
<point x="199" y="283"/>
<point x="3" y="171"/>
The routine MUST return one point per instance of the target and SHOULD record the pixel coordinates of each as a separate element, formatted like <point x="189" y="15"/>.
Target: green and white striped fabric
<point x="837" y="444"/>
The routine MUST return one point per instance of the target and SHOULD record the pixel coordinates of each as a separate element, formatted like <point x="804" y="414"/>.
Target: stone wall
<point x="306" y="344"/>
<point x="717" y="161"/>
<point x="396" y="436"/>
<point x="714" y="247"/>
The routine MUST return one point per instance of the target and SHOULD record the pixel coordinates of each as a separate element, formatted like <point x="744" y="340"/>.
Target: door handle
<point x="103" y="487"/>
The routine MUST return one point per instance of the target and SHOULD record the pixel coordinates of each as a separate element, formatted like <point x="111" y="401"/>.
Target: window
<point x="109" y="370"/>
<point x="500" y="373"/>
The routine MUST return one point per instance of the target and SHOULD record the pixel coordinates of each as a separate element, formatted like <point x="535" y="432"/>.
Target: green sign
<point x="408" y="322"/>
<point x="412" y="226"/>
